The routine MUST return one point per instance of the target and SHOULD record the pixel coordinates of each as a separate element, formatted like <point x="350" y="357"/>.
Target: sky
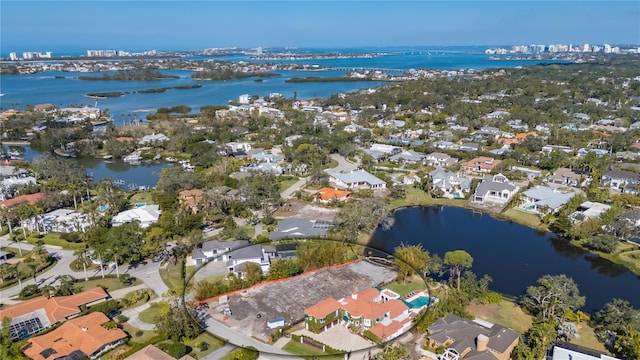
<point x="61" y="26"/>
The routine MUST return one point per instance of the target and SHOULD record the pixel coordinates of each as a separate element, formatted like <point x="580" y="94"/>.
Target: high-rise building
<point x="607" y="49"/>
<point x="13" y="56"/>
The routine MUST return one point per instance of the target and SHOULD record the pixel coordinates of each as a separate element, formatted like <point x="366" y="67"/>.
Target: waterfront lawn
<point x="524" y="218"/>
<point x="141" y="197"/>
<point x="110" y="284"/>
<point x="505" y="313"/>
<point x="415" y="196"/>
<point x="588" y="338"/>
<point x="408" y="287"/>
<point x="297" y="348"/>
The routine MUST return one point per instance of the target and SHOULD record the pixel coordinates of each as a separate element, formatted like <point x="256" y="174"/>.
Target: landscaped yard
<point x="285" y="184"/>
<point x="214" y="343"/>
<point x="406" y="288"/>
<point x="524" y="218"/>
<point x="110" y="284"/>
<point x="297" y="348"/>
<point x="171" y="275"/>
<point x="138" y="335"/>
<point x="588" y="338"/>
<point x="149" y="315"/>
<point x="415" y="196"/>
<point x="54" y="239"/>
<point x="141" y="197"/>
<point x="504" y="313"/>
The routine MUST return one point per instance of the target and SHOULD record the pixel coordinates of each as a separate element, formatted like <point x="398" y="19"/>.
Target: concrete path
<point x="288" y="192"/>
<point x="134" y="320"/>
<point x="343" y="164"/>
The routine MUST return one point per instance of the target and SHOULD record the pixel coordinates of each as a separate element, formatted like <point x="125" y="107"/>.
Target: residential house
<point x="82" y="337"/>
<point x="150" y="352"/>
<point x="450" y="183"/>
<point x="468" y="339"/>
<point x="30" y="199"/>
<point x="565" y="176"/>
<point x="192" y="199"/>
<point x="382" y="151"/>
<point x="489" y="132"/>
<point x="326" y="195"/>
<point x="59" y="220"/>
<point x="9" y="186"/>
<point x="238" y="258"/>
<point x="440" y="159"/>
<point x="482" y="164"/>
<point x="263" y="156"/>
<point x="498" y="114"/>
<point x="560" y="353"/>
<point x="620" y="179"/>
<point x="357" y="179"/>
<point x="263" y="167"/>
<point x="530" y="173"/>
<point x="299" y="228"/>
<point x="551" y="148"/>
<point x="215" y="250"/>
<point x="153" y="139"/>
<point x="469" y="147"/>
<point x="543" y="200"/>
<point x="31" y="316"/>
<point x="408" y="157"/>
<point x="496" y="189"/>
<point x="235" y="147"/>
<point x="145" y="215"/>
<point x="445" y="145"/>
<point x="588" y="210"/>
<point x="379" y="311"/>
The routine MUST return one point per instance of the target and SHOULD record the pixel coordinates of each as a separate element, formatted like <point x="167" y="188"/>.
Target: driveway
<point x="343" y="164"/>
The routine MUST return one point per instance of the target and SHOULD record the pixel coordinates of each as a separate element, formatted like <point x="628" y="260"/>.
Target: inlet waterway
<point x="515" y="256"/>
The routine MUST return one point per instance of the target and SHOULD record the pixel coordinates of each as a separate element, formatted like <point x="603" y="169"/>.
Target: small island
<point x="228" y="74"/>
<point x="104" y="95"/>
<point x="144" y="75"/>
<point x="308" y="79"/>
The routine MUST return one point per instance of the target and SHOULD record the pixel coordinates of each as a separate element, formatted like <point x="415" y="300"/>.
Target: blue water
<point x="22" y="90"/>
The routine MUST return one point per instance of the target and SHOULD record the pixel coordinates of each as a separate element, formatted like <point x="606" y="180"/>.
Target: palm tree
<point x="81" y="257"/>
<point x="4" y="272"/>
<point x="6" y="213"/>
<point x="14" y="270"/>
<point x="34" y="269"/>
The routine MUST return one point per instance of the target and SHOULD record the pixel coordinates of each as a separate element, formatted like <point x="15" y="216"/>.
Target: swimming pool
<point x="139" y="205"/>
<point x="417" y="303"/>
<point x="102" y="207"/>
<point x="457" y="195"/>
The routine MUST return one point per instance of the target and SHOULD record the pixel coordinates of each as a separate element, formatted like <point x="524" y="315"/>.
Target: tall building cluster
<point x="561" y="48"/>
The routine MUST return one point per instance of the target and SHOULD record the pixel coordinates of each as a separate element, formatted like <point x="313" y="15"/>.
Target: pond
<point x="515" y="256"/>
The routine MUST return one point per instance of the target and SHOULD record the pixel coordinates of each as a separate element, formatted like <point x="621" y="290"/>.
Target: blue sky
<point x="182" y="25"/>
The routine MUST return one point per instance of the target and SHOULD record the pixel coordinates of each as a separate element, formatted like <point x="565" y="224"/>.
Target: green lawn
<point x="110" y="284"/>
<point x="285" y="184"/>
<point x="171" y="275"/>
<point x="588" y="338"/>
<point x="141" y="197"/>
<point x="214" y="343"/>
<point x="297" y="348"/>
<point x="505" y="313"/>
<point x="54" y="239"/>
<point x="415" y="196"/>
<point x="149" y="315"/>
<point x="524" y="218"/>
<point x="406" y="288"/>
<point x="133" y="331"/>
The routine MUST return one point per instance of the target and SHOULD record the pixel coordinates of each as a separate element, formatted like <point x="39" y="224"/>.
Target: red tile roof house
<point x="31" y="316"/>
<point x="380" y="312"/>
<point x="79" y="338"/>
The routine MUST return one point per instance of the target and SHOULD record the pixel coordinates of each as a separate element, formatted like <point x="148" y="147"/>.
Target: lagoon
<point x="514" y="255"/>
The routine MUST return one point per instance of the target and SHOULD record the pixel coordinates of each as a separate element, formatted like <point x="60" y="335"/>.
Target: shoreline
<point x="615" y="258"/>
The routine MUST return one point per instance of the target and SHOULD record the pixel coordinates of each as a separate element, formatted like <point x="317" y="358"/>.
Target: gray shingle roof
<point x="222" y="245"/>
<point x="357" y="176"/>
<point x="545" y="196"/>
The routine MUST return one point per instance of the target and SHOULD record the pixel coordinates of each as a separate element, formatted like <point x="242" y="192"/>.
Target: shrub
<point x="29" y="291"/>
<point x="121" y="318"/>
<point x="138" y="333"/>
<point x="175" y="349"/>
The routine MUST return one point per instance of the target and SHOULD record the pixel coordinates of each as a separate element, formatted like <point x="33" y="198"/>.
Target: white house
<point x="59" y="220"/>
<point x="153" y="139"/>
<point x="145" y="216"/>
<point x="358" y="179"/>
<point x="495" y="189"/>
<point x="238" y="146"/>
<point x="543" y="199"/>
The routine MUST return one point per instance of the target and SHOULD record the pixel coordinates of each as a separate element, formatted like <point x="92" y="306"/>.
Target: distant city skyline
<point x="60" y="26"/>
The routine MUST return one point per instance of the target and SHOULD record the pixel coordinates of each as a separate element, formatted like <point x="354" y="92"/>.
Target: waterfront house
<point x="449" y="183"/>
<point x="145" y="215"/>
<point x="82" y="337"/>
<point x="153" y="139"/>
<point x="357" y="179"/>
<point x="481" y="164"/>
<point x="469" y="339"/>
<point x="588" y="210"/>
<point x="496" y="189"/>
<point x="299" y="228"/>
<point x="379" y="311"/>
<point x="31" y="316"/>
<point x="543" y="200"/>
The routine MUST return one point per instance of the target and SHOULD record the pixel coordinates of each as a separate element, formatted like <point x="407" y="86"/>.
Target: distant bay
<point x="64" y="89"/>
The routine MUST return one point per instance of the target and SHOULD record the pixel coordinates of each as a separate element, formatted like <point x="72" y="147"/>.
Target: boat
<point x="131" y="158"/>
<point x="107" y="157"/>
<point x="157" y="157"/>
<point x="170" y="159"/>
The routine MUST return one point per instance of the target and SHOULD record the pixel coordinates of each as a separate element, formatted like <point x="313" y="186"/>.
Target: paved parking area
<point x="290" y="297"/>
<point x="339" y="337"/>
